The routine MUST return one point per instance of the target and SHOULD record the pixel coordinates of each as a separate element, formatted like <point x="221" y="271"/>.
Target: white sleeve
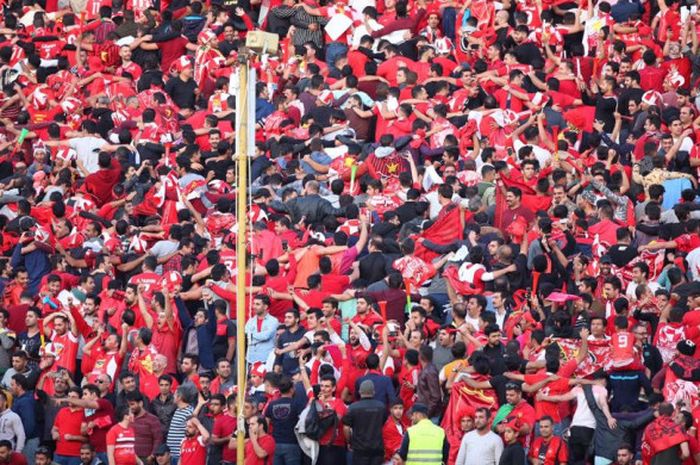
<point x="335" y="339"/>
<point x="364" y="341"/>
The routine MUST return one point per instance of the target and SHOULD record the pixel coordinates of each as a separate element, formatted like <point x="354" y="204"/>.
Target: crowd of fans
<point x="473" y="234"/>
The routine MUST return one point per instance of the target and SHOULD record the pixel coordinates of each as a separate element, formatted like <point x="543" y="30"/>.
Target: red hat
<point x="258" y="369"/>
<point x="171" y="279"/>
<point x="182" y="63"/>
<point x="651" y="97"/>
<point x="138" y="244"/>
<point x="112" y="244"/>
<point x="513" y="424"/>
<point x="466" y="411"/>
<point x="433" y="10"/>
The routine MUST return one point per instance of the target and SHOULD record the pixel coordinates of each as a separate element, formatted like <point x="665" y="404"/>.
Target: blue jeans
<point x="30" y="448"/>
<point x="449" y="18"/>
<point x="66" y="460"/>
<point x="287" y="454"/>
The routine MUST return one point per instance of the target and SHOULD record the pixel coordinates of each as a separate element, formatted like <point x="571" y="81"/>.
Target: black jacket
<point x="313" y="207"/>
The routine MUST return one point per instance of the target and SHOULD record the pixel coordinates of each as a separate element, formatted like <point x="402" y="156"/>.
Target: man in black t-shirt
<point x="183" y="89"/>
<point x="363" y="424"/>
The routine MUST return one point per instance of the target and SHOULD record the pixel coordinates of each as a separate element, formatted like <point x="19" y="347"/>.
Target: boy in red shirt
<point x="624" y="353"/>
<point x="121" y="440"/>
<point x="394" y="429"/>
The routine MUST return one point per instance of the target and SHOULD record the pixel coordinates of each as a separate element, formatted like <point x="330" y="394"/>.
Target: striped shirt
<point x="176" y="433"/>
<point x="301" y="20"/>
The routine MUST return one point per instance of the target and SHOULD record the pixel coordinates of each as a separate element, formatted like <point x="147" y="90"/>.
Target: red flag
<point x="581" y="117"/>
<point x="446" y="229"/>
<point x="537" y="202"/>
<point x="464" y="399"/>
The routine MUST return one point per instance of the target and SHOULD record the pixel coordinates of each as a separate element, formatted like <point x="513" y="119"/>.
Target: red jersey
<point x="193" y="451"/>
<point x="141" y="364"/>
<point x="101" y="419"/>
<point x="150" y="281"/>
<point x="106" y="363"/>
<point x="550" y="452"/>
<point x="67" y="347"/>
<point x="124" y="442"/>
<point x="623" y="351"/>
<point x="167" y="342"/>
<point x="327" y="439"/>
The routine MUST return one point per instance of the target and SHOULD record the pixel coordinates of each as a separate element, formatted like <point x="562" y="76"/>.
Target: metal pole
<point x="241" y="204"/>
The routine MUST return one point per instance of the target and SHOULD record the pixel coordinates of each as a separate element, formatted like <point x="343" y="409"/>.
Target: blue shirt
<point x="284" y="414"/>
<point x="261" y="343"/>
<point x="383" y="387"/>
<point x="25" y="407"/>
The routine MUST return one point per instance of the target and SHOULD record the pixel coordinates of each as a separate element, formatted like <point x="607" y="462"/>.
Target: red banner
<point x="598" y="355"/>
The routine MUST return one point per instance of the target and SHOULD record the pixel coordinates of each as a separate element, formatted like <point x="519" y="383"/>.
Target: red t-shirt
<point x="553" y="388"/>
<point x="334" y="283"/>
<point x="124" y="442"/>
<point x="193" y="451"/>
<point x="223" y="426"/>
<point x="102" y="419"/>
<point x="68" y="422"/>
<point x="340" y="409"/>
<point x="171" y="50"/>
<point x="267" y="443"/>
<point x="167" y="342"/>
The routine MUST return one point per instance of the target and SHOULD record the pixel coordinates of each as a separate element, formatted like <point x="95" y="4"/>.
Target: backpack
<point x="319" y="420"/>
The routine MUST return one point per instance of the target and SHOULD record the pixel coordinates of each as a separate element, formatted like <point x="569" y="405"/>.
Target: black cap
<point x="419" y="408"/>
<point x="686" y="347"/>
<point x="162" y="450"/>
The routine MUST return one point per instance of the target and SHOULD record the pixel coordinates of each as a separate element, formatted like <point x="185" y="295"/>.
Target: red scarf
<point x="661" y="434"/>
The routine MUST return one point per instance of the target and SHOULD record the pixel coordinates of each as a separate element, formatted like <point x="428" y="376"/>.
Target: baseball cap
<point x="419" y="408"/>
<point x="162" y="450"/>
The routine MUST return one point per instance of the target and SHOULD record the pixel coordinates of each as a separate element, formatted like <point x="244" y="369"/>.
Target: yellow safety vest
<point x="425" y="443"/>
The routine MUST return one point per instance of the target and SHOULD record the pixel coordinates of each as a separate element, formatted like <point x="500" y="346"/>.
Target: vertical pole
<point x="241" y="204"/>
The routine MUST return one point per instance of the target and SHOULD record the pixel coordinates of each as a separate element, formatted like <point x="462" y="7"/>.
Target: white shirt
<point x="632" y="288"/>
<point x="694" y="263"/>
<point x="500" y="318"/>
<point x="543" y="156"/>
<point x="88" y="150"/>
<point x="583" y="416"/>
<point x="477" y="449"/>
